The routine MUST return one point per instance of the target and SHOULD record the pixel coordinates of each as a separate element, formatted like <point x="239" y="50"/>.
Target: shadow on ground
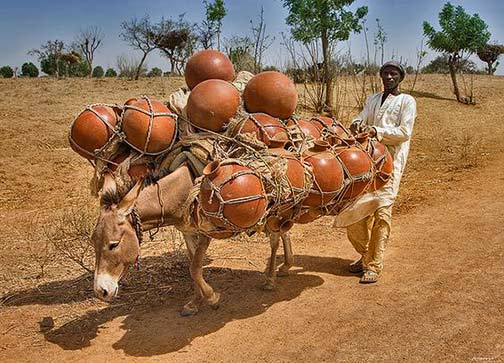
<point x="152" y="298"/>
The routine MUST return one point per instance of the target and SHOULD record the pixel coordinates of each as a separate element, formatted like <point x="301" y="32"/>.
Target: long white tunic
<point x="394" y="125"/>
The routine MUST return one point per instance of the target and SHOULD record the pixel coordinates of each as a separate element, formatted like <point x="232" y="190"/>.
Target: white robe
<point x="393" y="122"/>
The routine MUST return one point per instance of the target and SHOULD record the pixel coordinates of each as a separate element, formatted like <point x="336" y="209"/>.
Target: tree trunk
<point x="327" y="74"/>
<point x="452" y="61"/>
<point x="490" y="68"/>
<point x="137" y="74"/>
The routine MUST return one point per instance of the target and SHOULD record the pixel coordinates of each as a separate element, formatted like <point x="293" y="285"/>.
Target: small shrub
<point x="6" y="72"/>
<point x="155" y="72"/>
<point x="111" y="73"/>
<point x="98" y="72"/>
<point x="29" y="70"/>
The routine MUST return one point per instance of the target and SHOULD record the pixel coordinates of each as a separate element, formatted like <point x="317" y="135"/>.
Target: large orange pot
<point x="92" y="129"/>
<point x="212" y="104"/>
<point x="384" y="164"/>
<point x="268" y="129"/>
<point x="295" y="173"/>
<point x="271" y="92"/>
<point x="208" y="64"/>
<point x="327" y="174"/>
<point x="232" y="193"/>
<point x="358" y="167"/>
<point x="135" y="171"/>
<point x="306" y="127"/>
<point x="150" y="127"/>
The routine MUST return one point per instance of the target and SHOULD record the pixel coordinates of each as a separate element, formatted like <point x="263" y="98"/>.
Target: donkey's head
<point x="115" y="240"/>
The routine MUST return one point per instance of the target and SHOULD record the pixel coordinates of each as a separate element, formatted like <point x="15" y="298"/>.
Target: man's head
<point x="391" y="73"/>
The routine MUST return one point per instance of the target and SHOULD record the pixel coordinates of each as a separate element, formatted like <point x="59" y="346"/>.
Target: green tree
<point x="489" y="54"/>
<point x="88" y="41"/>
<point x="155" y="72"/>
<point x="327" y="21"/>
<point x="215" y="12"/>
<point x="111" y="73"/>
<point x="98" y="72"/>
<point x="461" y="35"/>
<point x="49" y="55"/>
<point x="29" y="69"/>
<point x="6" y="72"/>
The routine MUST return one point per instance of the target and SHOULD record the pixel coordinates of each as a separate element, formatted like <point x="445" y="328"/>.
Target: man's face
<point x="391" y="77"/>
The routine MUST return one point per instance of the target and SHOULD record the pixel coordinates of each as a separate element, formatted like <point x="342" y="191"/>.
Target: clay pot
<point x="208" y="64"/>
<point x="217" y="233"/>
<point x="307" y="215"/>
<point x="332" y="125"/>
<point x="272" y="93"/>
<point x="135" y="171"/>
<point x="306" y="127"/>
<point x="90" y="131"/>
<point x="384" y="164"/>
<point x="212" y="104"/>
<point x="295" y="172"/>
<point x="131" y="101"/>
<point x="268" y="129"/>
<point x="358" y="167"/>
<point x="327" y="173"/>
<point x="233" y="182"/>
<point x="136" y="126"/>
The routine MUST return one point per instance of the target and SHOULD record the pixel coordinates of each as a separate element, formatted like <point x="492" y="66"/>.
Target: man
<point x="389" y="116"/>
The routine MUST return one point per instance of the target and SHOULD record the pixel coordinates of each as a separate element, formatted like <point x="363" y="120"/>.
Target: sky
<point x="25" y="25"/>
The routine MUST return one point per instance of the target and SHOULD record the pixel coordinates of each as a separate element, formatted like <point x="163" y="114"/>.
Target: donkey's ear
<point x="109" y="184"/>
<point x="126" y="205"/>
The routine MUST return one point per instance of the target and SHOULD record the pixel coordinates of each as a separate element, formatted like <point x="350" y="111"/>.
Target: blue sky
<point x="27" y="24"/>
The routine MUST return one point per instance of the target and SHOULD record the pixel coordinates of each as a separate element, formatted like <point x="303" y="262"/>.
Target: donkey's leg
<point x="191" y="308"/>
<point x="205" y="290"/>
<point x="191" y="241"/>
<point x="270" y="272"/>
<point x="283" y="270"/>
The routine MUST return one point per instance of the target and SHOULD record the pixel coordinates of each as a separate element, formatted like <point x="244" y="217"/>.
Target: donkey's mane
<point x="113" y="197"/>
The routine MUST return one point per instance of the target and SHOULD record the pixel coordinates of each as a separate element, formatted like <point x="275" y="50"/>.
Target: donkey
<point x="117" y="235"/>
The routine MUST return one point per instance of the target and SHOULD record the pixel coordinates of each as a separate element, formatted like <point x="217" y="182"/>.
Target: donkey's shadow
<point x="152" y="322"/>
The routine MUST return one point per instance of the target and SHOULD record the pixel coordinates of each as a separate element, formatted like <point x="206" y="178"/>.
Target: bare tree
<point x="261" y="41"/>
<point x="239" y="50"/>
<point x="380" y="40"/>
<point x="206" y="33"/>
<point x="89" y="41"/>
<point x="53" y="49"/>
<point x="139" y="34"/>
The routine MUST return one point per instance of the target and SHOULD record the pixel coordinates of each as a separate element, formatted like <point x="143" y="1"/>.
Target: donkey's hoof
<point x="268" y="285"/>
<point x="214" y="301"/>
<point x="189" y="309"/>
<point x="283" y="271"/>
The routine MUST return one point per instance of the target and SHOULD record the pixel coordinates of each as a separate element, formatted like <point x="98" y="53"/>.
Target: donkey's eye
<point x="113" y="245"/>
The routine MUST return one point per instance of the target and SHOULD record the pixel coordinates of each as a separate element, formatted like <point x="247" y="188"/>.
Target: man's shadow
<point x="152" y="299"/>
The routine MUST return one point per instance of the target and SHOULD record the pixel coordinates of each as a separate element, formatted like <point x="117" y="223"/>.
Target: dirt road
<point x="440" y="299"/>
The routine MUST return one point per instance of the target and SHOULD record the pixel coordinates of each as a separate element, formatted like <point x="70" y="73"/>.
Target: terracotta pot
<point x="308" y="215"/>
<point x="217" y="233"/>
<point x="135" y="171"/>
<point x="330" y="124"/>
<point x="295" y="172"/>
<point x="233" y="182"/>
<point x="212" y="104"/>
<point x="136" y="126"/>
<point x="358" y="167"/>
<point x="306" y="127"/>
<point x="90" y="132"/>
<point x="208" y="64"/>
<point x="271" y="92"/>
<point x="384" y="164"/>
<point x="268" y="129"/>
<point x="327" y="173"/>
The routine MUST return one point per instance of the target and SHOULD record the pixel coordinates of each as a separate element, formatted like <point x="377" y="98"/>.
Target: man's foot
<point x="356" y="266"/>
<point x="369" y="277"/>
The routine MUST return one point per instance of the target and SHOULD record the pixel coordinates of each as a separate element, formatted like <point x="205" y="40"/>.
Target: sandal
<point x="369" y="277"/>
<point x="356" y="267"/>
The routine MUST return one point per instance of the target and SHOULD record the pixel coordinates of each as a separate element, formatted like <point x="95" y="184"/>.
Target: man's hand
<point x="370" y="130"/>
<point x="355" y="127"/>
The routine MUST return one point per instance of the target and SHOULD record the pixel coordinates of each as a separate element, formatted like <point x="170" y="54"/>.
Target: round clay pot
<point x="90" y="131"/>
<point x="271" y="92"/>
<point x="208" y="64"/>
<point x="327" y="174"/>
<point x="295" y="172"/>
<point x="136" y="126"/>
<point x="268" y="129"/>
<point x="384" y="164"/>
<point x="212" y="104"/>
<point x="306" y="127"/>
<point x="233" y="182"/>
<point x="358" y="167"/>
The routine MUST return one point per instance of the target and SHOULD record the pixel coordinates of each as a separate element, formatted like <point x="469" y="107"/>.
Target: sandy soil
<point x="440" y="298"/>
